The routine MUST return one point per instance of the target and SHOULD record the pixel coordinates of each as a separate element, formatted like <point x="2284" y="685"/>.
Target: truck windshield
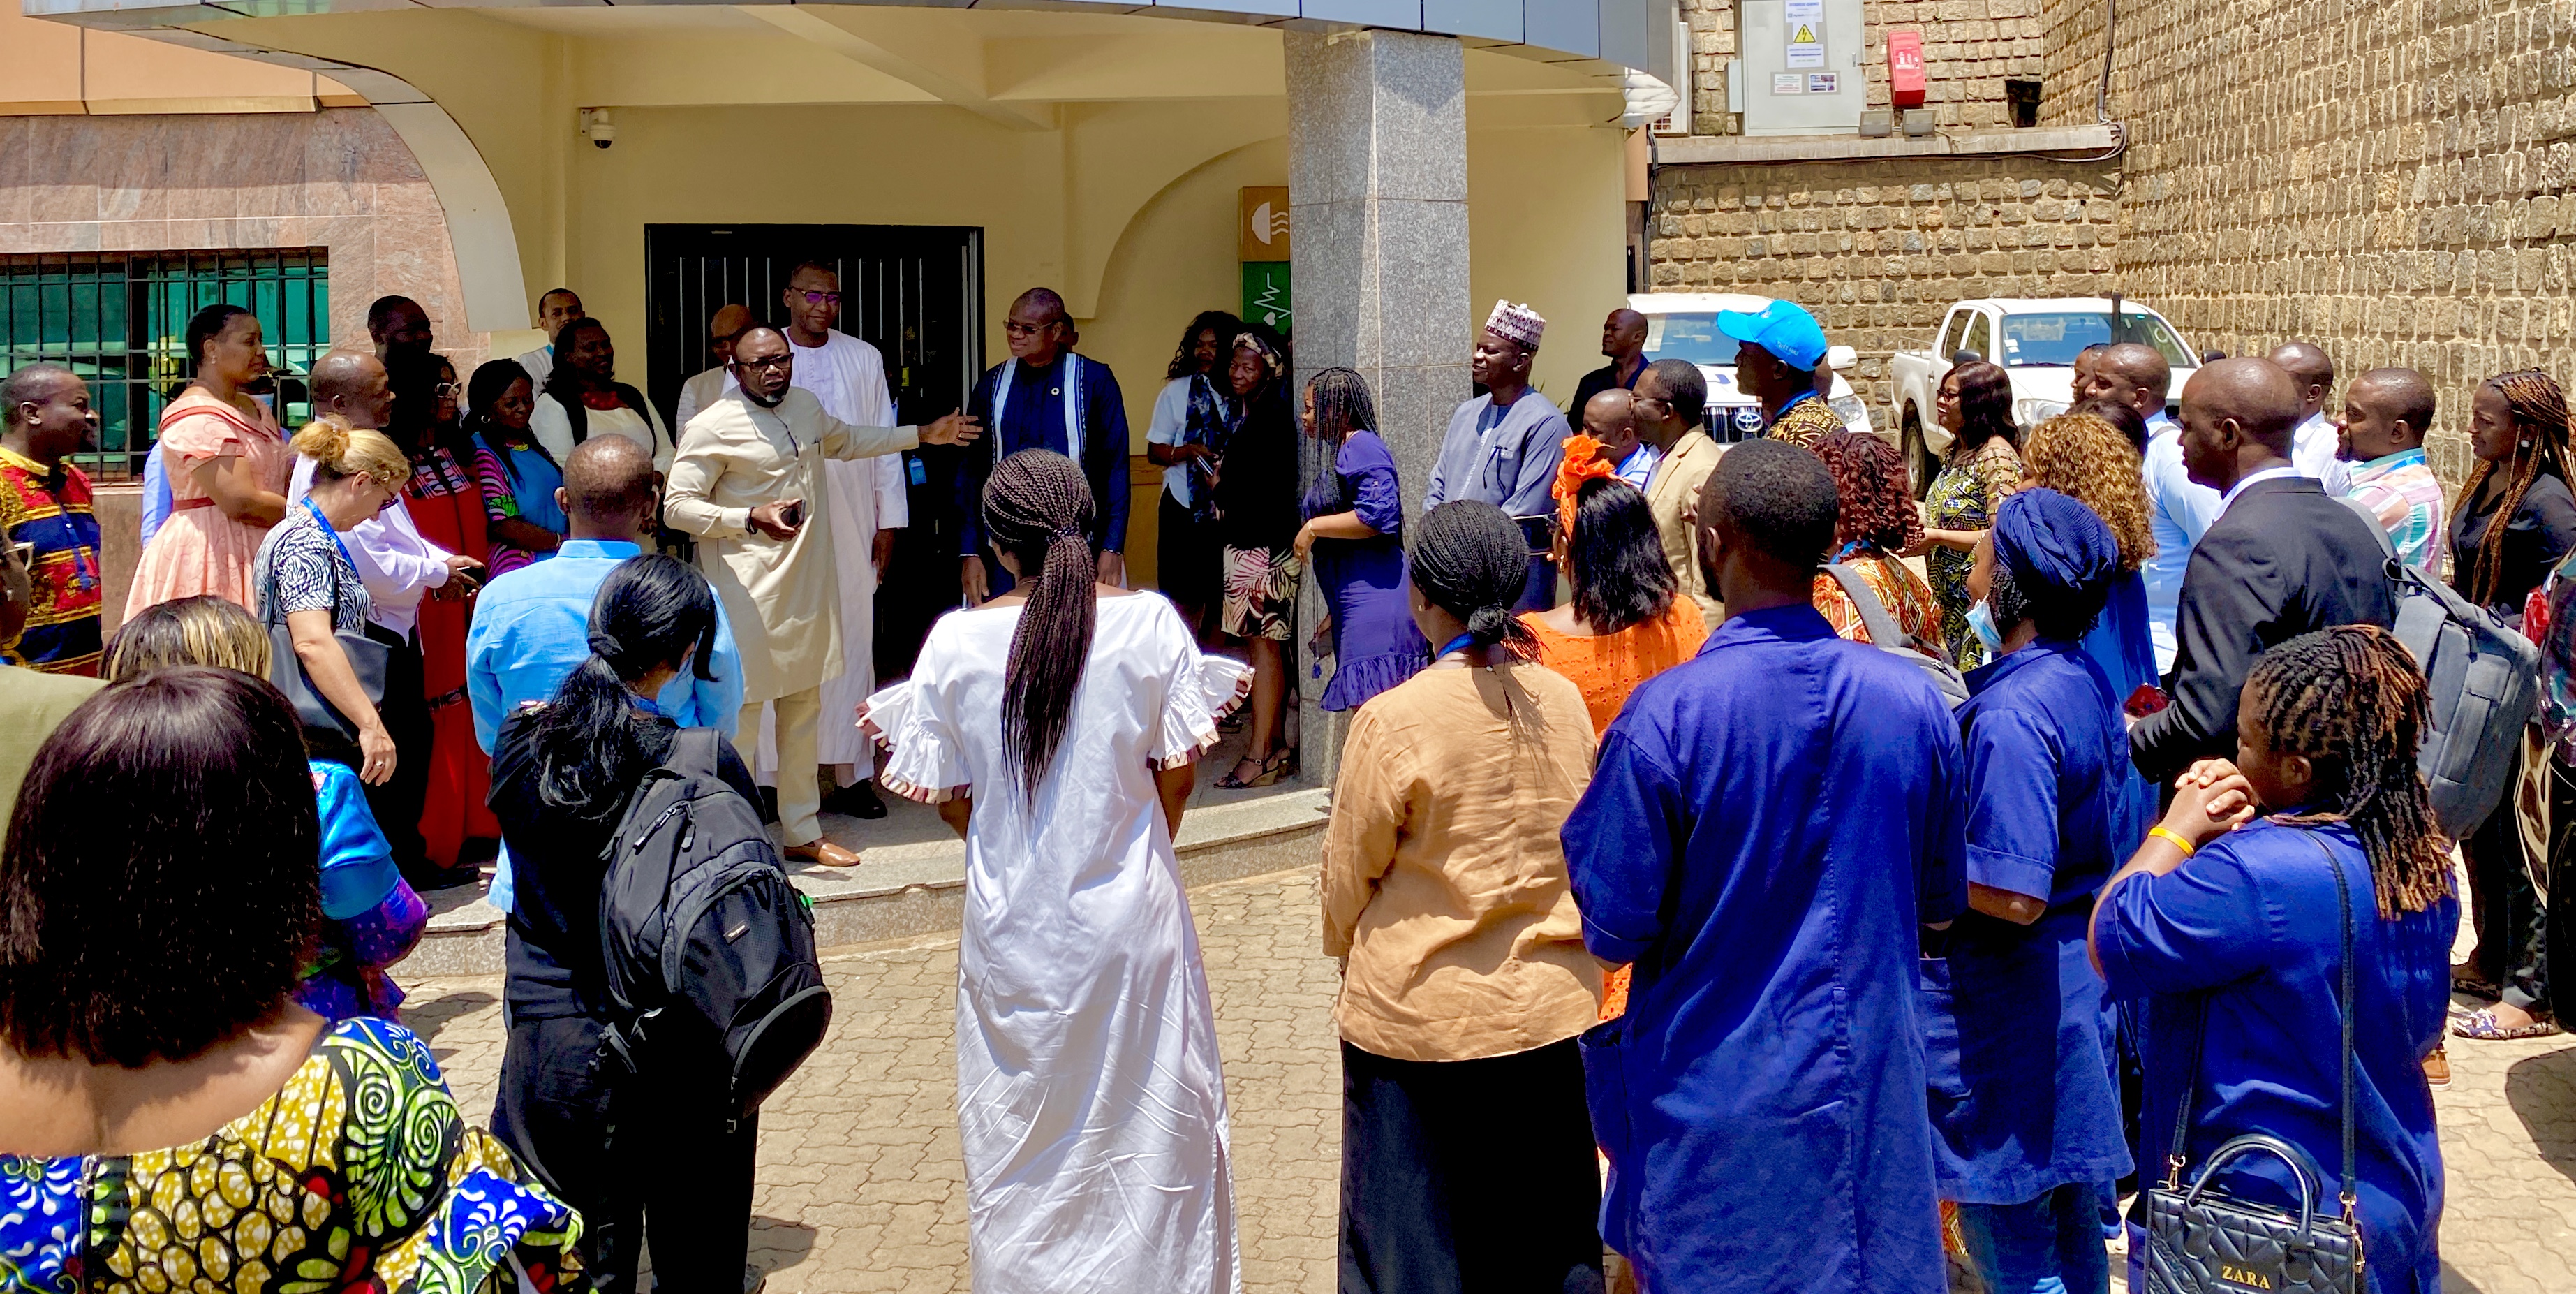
<point x="2052" y="340"/>
<point x="1693" y="337"/>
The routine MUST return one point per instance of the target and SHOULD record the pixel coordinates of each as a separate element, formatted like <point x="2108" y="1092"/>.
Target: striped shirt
<point x="2407" y="497"/>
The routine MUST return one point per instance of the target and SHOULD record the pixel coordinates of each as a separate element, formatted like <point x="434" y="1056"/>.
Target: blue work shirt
<point x="2249" y="928"/>
<point x="532" y="629"/>
<point x="2020" y="1066"/>
<point x="1768" y="824"/>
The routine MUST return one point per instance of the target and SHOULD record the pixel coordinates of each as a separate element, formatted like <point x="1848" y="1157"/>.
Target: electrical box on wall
<point x="1802" y="66"/>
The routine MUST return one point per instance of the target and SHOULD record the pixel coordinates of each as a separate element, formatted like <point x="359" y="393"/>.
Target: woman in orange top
<point x="1878" y="521"/>
<point x="1626" y="622"/>
<point x="228" y="465"/>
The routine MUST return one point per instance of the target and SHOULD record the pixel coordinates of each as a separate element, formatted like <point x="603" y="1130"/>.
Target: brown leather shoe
<point x="823" y="853"/>
<point x="2437" y="1069"/>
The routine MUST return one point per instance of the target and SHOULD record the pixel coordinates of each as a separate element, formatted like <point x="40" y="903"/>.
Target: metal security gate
<point x="915" y="292"/>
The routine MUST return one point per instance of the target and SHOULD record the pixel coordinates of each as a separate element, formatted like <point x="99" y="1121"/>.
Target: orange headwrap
<point x="1583" y="462"/>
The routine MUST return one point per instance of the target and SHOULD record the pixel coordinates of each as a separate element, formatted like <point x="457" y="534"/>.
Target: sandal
<point x="1275" y="766"/>
<point x="2482" y="1026"/>
<point x="2473" y="986"/>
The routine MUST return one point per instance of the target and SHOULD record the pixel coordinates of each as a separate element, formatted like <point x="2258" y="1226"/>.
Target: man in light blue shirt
<point x="532" y="626"/>
<point x="2179" y="510"/>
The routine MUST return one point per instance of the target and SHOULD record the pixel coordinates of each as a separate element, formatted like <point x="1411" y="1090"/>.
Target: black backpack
<point x="709" y="948"/>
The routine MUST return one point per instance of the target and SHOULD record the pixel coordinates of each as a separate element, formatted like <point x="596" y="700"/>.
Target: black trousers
<point x="2511" y="920"/>
<point x="397" y="804"/>
<point x="1189" y="561"/>
<point x="670" y="1169"/>
<point x="1469" y="1176"/>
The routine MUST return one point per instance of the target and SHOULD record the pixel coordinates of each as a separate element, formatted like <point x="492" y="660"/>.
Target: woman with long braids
<point x="1467" y="1150"/>
<point x="562" y="771"/>
<point x="1974" y="403"/>
<point x="1354" y="536"/>
<point x="1055" y="727"/>
<point x="2518" y="431"/>
<point x="2228" y="928"/>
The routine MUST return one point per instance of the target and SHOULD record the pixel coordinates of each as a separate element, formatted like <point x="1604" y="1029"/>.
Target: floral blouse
<point x="1964" y="497"/>
<point x="1908" y="600"/>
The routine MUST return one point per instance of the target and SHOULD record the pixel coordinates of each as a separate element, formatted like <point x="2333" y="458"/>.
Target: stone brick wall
<point x="2389" y="179"/>
<point x="1970" y="47"/>
<point x="1878" y="249"/>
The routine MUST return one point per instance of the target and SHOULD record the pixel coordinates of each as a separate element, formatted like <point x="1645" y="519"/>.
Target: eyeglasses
<point x="766" y="361"/>
<point x="448" y="390"/>
<point x="1017" y="329"/>
<point x="821" y="298"/>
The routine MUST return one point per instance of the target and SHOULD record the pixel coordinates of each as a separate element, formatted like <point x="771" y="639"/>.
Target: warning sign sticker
<point x="1804" y="23"/>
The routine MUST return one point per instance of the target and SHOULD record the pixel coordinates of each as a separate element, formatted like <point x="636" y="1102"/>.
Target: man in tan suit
<point x="1666" y="404"/>
<point x="747" y="478"/>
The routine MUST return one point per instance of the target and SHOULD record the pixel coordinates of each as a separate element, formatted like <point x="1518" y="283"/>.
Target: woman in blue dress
<point x="2230" y="932"/>
<point x="1354" y="540"/>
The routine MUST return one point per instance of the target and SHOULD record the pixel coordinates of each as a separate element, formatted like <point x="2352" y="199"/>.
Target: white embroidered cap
<point x="1517" y="322"/>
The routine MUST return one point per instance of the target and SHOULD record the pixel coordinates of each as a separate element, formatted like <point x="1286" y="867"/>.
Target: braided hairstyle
<point x="2352" y="701"/>
<point x="1038" y="509"/>
<point x="2540" y="420"/>
<point x="1342" y="406"/>
<point x="593" y="742"/>
<point x="1470" y="560"/>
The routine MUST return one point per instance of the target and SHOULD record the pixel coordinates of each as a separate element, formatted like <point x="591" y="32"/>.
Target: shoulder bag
<point x="2204" y="1240"/>
<point x="368" y="658"/>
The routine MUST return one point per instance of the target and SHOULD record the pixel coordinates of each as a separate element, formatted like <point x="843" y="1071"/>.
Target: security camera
<point x="597" y="128"/>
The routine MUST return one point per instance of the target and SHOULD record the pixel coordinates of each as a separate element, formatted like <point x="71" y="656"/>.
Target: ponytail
<point x="1470" y="560"/>
<point x="594" y="742"/>
<point x="1038" y="509"/>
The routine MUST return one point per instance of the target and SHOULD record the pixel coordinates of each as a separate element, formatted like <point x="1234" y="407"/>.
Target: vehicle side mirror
<point x="1840" y="357"/>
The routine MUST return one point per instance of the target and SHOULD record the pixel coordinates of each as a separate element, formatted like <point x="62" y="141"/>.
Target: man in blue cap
<point x="1781" y="348"/>
<point x="2030" y="1137"/>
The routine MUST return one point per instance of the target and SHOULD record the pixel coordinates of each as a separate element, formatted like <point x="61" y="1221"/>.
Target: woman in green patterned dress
<point x="1974" y="403"/>
<point x="170" y="1118"/>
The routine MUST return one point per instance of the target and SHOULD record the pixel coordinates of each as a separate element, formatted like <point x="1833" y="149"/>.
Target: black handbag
<point x="2203" y="1240"/>
<point x="368" y="659"/>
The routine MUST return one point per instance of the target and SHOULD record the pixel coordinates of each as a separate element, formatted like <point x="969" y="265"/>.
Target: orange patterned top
<point x="1906" y="596"/>
<point x="1610" y="667"/>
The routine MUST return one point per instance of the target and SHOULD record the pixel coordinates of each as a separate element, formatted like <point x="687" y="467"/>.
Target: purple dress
<point x="1375" y="642"/>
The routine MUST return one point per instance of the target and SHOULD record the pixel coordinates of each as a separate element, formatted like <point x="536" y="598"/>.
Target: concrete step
<point x="913" y="881"/>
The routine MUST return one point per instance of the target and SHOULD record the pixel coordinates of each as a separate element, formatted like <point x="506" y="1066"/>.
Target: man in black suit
<point x="2282" y="559"/>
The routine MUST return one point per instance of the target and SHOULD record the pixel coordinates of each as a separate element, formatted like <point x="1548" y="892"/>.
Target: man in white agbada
<point x="868" y="504"/>
<point x="746" y="480"/>
<point x="707" y="387"/>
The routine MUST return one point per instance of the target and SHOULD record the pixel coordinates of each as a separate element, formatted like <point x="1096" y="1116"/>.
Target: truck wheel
<point x="1919" y="467"/>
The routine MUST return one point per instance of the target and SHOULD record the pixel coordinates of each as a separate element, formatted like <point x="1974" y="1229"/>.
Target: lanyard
<point x="1072" y="405"/>
<point x="1454" y="644"/>
<point x="325" y="523"/>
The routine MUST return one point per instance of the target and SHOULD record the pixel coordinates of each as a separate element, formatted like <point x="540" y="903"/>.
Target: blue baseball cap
<point x="1783" y="328"/>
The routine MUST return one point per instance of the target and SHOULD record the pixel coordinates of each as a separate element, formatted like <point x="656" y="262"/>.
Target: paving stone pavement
<point x="861" y="1187"/>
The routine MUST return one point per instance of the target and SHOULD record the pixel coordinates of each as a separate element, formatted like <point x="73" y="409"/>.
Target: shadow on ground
<point x="2542" y="1092"/>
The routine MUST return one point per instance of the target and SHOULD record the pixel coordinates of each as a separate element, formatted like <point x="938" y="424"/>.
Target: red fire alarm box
<point x="1905" y="69"/>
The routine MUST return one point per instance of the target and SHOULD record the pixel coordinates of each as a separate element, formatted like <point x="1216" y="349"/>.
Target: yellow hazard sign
<point x="1806" y="35"/>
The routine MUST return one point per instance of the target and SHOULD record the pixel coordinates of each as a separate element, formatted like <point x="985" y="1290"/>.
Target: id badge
<point x="913" y="469"/>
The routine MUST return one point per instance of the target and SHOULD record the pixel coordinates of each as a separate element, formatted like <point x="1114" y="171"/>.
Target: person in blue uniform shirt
<point x="2029" y="1126"/>
<point x="1769" y="825"/>
<point x="1045" y="397"/>
<point x="2229" y="929"/>
<point x="1503" y="447"/>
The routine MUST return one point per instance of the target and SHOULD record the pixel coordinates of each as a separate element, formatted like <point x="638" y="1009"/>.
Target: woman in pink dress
<point x="227" y="465"/>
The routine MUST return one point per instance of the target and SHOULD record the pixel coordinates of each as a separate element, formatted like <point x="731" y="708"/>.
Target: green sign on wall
<point x="1265" y="295"/>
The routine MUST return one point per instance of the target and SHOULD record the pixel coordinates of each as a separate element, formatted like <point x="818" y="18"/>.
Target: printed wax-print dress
<point x="520" y="487"/>
<point x="1090" y="1105"/>
<point x="1963" y="497"/>
<point x="360" y="1174"/>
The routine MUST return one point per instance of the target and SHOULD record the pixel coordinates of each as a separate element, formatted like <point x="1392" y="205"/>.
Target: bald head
<point x="610" y="489"/>
<point x="352" y="384"/>
<point x="2237" y="419"/>
<point x="1623" y="336"/>
<point x="1610" y="418"/>
<point x="2307" y="365"/>
<point x="2129" y="373"/>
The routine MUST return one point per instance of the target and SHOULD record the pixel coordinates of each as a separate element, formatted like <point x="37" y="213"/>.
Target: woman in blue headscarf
<point x="2021" y="1092"/>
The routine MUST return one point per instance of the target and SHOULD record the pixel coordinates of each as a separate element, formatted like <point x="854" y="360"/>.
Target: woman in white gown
<point x="1088" y="1095"/>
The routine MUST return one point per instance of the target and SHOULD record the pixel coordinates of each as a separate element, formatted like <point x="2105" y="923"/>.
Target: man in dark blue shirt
<point x="1046" y="397"/>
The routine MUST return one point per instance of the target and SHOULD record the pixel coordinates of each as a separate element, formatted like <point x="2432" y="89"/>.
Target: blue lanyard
<point x="1454" y="644"/>
<point x="325" y="523"/>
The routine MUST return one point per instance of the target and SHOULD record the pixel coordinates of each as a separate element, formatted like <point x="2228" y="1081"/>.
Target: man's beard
<point x="768" y="402"/>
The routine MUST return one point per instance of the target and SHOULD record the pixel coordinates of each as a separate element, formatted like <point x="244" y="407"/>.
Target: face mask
<point x="1983" y="622"/>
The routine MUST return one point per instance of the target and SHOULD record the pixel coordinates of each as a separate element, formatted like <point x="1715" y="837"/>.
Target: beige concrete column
<point x="1377" y="189"/>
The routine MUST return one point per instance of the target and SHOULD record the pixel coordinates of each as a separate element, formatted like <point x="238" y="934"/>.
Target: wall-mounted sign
<point x="1788" y="83"/>
<point x="1824" y="82"/>
<point x="1804" y="30"/>
<point x="1261" y="227"/>
<point x="1265" y="294"/>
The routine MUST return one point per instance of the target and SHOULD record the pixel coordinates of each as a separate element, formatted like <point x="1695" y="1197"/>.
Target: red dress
<point x="447" y="505"/>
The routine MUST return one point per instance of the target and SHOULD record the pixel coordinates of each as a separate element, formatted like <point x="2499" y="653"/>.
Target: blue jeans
<point x="2050" y="1245"/>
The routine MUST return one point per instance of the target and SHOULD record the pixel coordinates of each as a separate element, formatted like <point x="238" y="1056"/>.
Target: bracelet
<point x="2187" y="848"/>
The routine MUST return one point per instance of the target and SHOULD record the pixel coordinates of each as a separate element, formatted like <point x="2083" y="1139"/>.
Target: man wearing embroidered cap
<point x="1503" y="447"/>
<point x="2028" y="1121"/>
<point x="1776" y="364"/>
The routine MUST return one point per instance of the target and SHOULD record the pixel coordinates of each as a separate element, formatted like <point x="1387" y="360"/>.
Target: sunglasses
<point x="768" y="361"/>
<point x="448" y="390"/>
<point x="821" y="298"/>
<point x="1017" y="329"/>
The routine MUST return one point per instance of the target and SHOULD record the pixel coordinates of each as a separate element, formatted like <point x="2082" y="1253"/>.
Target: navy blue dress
<point x="2249" y="927"/>
<point x="2020" y="1065"/>
<point x="1376" y="645"/>
<point x="1769" y="824"/>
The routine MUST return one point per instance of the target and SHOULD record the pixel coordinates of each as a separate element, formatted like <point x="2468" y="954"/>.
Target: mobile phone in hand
<point x="793" y="515"/>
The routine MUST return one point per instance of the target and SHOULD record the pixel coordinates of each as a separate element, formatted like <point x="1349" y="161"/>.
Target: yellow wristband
<point x="2187" y="848"/>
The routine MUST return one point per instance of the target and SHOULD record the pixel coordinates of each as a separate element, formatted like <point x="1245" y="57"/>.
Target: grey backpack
<point x="1884" y="635"/>
<point x="2484" y="681"/>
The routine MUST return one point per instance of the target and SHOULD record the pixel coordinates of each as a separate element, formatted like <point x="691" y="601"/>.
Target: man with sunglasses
<point x="1046" y="397"/>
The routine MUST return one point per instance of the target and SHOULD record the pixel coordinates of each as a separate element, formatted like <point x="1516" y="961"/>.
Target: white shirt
<point x="539" y="363"/>
<point x="1171" y="422"/>
<point x="2315" y="450"/>
<point x="847" y="376"/>
<point x="553" y="429"/>
<point x="703" y="390"/>
<point x="395" y="561"/>
<point x="2179" y="510"/>
<point x="2269" y="473"/>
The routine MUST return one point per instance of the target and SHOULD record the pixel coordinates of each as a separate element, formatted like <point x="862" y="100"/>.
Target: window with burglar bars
<point x="120" y="320"/>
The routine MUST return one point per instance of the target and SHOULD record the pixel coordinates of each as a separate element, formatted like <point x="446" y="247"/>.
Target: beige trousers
<point x="800" y="795"/>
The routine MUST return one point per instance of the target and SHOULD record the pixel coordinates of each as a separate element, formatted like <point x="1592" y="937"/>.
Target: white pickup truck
<point x="2036" y="341"/>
